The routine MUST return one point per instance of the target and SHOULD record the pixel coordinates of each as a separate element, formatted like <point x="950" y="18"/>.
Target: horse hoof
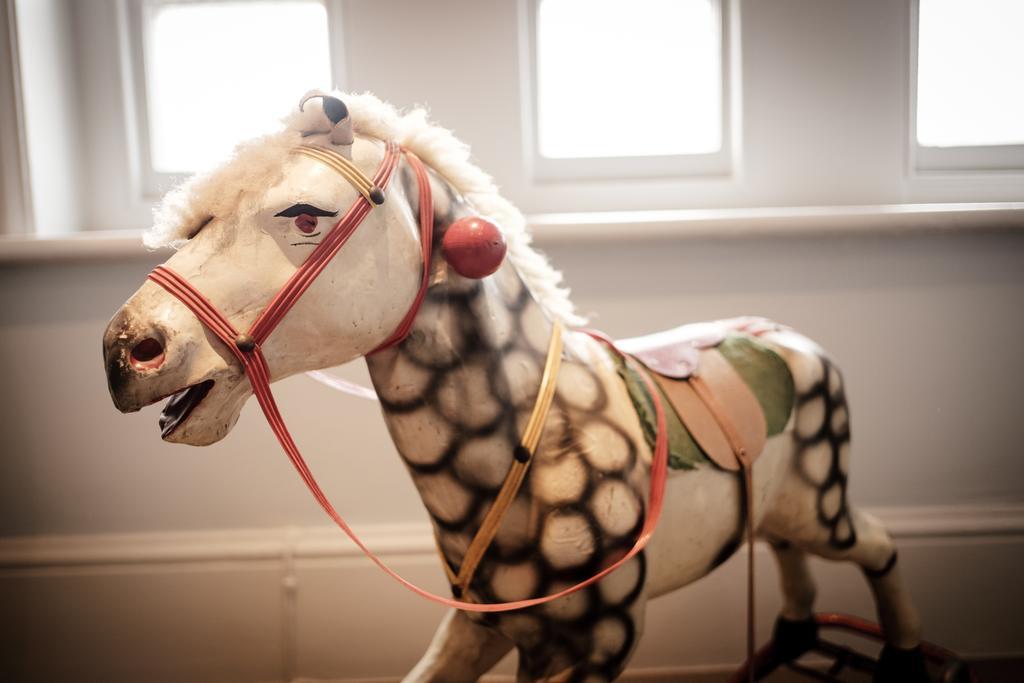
<point x="896" y="665"/>
<point x="790" y="639"/>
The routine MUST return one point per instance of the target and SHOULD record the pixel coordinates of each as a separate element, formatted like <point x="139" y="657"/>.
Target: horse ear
<point x="337" y="113"/>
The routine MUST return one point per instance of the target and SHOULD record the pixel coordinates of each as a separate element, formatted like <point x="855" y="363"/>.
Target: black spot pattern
<point x="570" y="643"/>
<point x="828" y="389"/>
<point x="878" y="574"/>
<point x="455" y="348"/>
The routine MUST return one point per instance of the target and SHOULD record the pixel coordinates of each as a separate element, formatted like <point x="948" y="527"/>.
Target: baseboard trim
<point x="275" y="543"/>
<point x="661" y="674"/>
<point x="221" y="545"/>
<point x="303" y="601"/>
<point x="945" y="521"/>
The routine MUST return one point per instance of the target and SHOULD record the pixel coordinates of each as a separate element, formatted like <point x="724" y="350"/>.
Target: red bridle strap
<point x="426" y="203"/>
<point x="304" y="276"/>
<point x="246" y="348"/>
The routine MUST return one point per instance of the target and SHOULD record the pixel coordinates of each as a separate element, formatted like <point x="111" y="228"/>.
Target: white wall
<point x="925" y="327"/>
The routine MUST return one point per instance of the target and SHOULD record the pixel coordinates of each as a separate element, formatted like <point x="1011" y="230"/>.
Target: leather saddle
<point x="729" y="391"/>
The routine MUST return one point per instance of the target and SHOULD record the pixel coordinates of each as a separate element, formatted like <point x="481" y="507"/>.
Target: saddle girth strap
<point x="723" y="415"/>
<point x="746" y="461"/>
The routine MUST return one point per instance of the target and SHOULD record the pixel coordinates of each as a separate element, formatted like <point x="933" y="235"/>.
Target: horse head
<point x="242" y="231"/>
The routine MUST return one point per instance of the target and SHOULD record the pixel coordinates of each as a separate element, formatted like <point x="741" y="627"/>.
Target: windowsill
<point x="80" y="246"/>
<point x="617" y="226"/>
<point x="805" y="221"/>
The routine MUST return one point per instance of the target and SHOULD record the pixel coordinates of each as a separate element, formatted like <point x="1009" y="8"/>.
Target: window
<point x="969" y="101"/>
<point x="209" y="74"/>
<point x="103" y="101"/>
<point x="598" y="63"/>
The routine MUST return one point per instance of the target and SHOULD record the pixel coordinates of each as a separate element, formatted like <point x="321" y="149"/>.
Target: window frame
<point x="16" y="209"/>
<point x="539" y="168"/>
<point x="149" y="183"/>
<point x="927" y="160"/>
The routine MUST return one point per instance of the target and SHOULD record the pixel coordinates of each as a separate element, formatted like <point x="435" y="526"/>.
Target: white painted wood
<point x="15" y="193"/>
<point x="632" y="226"/>
<point x="412" y="539"/>
<point x="715" y="164"/>
<point x="924" y="161"/>
<point x="626" y="227"/>
<point x="133" y="35"/>
<point x="403" y="539"/>
<point x="52" y="129"/>
<point x="108" y="244"/>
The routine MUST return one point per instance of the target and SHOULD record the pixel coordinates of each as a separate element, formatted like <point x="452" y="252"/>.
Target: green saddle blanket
<point x="763" y="370"/>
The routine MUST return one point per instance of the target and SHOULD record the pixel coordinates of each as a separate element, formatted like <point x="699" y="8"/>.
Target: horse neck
<point x="457" y="391"/>
<point x="456" y="395"/>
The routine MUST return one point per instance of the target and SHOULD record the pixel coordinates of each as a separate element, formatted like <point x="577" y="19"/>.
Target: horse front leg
<point x="462" y="650"/>
<point x="586" y="637"/>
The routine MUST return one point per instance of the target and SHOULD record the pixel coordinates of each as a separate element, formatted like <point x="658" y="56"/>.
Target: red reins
<point x="247" y="349"/>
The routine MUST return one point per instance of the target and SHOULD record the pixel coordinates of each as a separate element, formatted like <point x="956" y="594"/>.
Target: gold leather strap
<point x="523" y="455"/>
<point x="724" y="417"/>
<point x="346" y="168"/>
<point x="746" y="461"/>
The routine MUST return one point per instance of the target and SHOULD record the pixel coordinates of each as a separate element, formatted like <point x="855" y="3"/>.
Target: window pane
<point x="970" y="73"/>
<point x="220" y="72"/>
<point x="652" y="67"/>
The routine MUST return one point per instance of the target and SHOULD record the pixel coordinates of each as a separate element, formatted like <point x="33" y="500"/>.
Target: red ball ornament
<point x="474" y="247"/>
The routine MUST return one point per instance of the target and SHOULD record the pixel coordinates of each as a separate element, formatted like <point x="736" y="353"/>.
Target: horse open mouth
<point x="181" y="405"/>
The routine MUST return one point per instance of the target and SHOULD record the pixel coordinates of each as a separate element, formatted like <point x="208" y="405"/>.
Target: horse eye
<point x="305" y="223"/>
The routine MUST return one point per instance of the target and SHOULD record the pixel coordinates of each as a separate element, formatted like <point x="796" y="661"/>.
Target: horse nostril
<point x="148" y="354"/>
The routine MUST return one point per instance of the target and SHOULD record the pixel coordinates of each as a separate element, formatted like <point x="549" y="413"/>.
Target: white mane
<point x="256" y="165"/>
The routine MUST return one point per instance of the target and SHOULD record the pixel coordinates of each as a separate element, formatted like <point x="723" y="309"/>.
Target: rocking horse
<point x="569" y="478"/>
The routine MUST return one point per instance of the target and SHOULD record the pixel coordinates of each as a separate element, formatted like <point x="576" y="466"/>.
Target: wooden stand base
<point x="792" y="640"/>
